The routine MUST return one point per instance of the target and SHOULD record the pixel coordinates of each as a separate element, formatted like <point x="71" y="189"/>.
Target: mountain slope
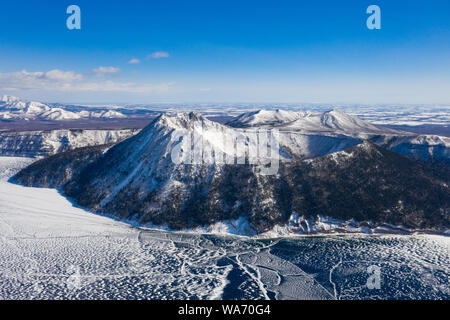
<point x="137" y="180"/>
<point x="370" y="183"/>
<point x="56" y="170"/>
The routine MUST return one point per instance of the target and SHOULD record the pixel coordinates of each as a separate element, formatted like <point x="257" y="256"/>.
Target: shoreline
<point x="297" y="226"/>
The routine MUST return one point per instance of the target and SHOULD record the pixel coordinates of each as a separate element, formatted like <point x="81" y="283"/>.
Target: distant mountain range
<point x="12" y="108"/>
<point x="328" y="164"/>
<point x="408" y="116"/>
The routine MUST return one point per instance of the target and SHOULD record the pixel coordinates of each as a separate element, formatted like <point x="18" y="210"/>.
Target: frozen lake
<point x="52" y="250"/>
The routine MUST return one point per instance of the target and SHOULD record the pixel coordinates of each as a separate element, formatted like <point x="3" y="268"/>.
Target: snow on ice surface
<point x="45" y="241"/>
<point x="9" y="166"/>
<point x="51" y="250"/>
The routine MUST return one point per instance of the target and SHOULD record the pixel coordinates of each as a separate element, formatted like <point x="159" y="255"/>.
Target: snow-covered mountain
<point x="44" y="143"/>
<point x="338" y="122"/>
<point x="330" y="122"/>
<point x="8" y="99"/>
<point x="419" y="147"/>
<point x="318" y="126"/>
<point x="13" y="108"/>
<point x="265" y="118"/>
<point x="138" y="179"/>
<point x="217" y="139"/>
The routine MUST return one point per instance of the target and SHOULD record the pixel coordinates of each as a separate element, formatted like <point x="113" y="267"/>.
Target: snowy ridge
<point x="420" y="147"/>
<point x="296" y="127"/>
<point x="43" y="143"/>
<point x="307" y="122"/>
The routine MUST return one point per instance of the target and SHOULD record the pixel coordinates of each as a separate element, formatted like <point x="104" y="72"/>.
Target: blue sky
<point x="226" y="51"/>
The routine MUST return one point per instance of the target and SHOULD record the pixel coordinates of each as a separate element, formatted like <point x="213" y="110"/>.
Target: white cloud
<point x="69" y="81"/>
<point x="134" y="61"/>
<point x="37" y="80"/>
<point x="158" y="55"/>
<point x="100" y="71"/>
<point x="59" y="75"/>
<point x="110" y="86"/>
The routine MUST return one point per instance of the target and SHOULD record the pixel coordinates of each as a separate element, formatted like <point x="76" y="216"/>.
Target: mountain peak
<point x="8" y="99"/>
<point x="182" y="120"/>
<point x="264" y="117"/>
<point x="338" y="112"/>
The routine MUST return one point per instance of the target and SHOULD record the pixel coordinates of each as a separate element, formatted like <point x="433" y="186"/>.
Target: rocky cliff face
<point x="345" y="178"/>
<point x="44" y="143"/>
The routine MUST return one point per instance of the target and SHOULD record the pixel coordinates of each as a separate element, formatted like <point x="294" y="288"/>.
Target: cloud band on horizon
<point x="69" y="81"/>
